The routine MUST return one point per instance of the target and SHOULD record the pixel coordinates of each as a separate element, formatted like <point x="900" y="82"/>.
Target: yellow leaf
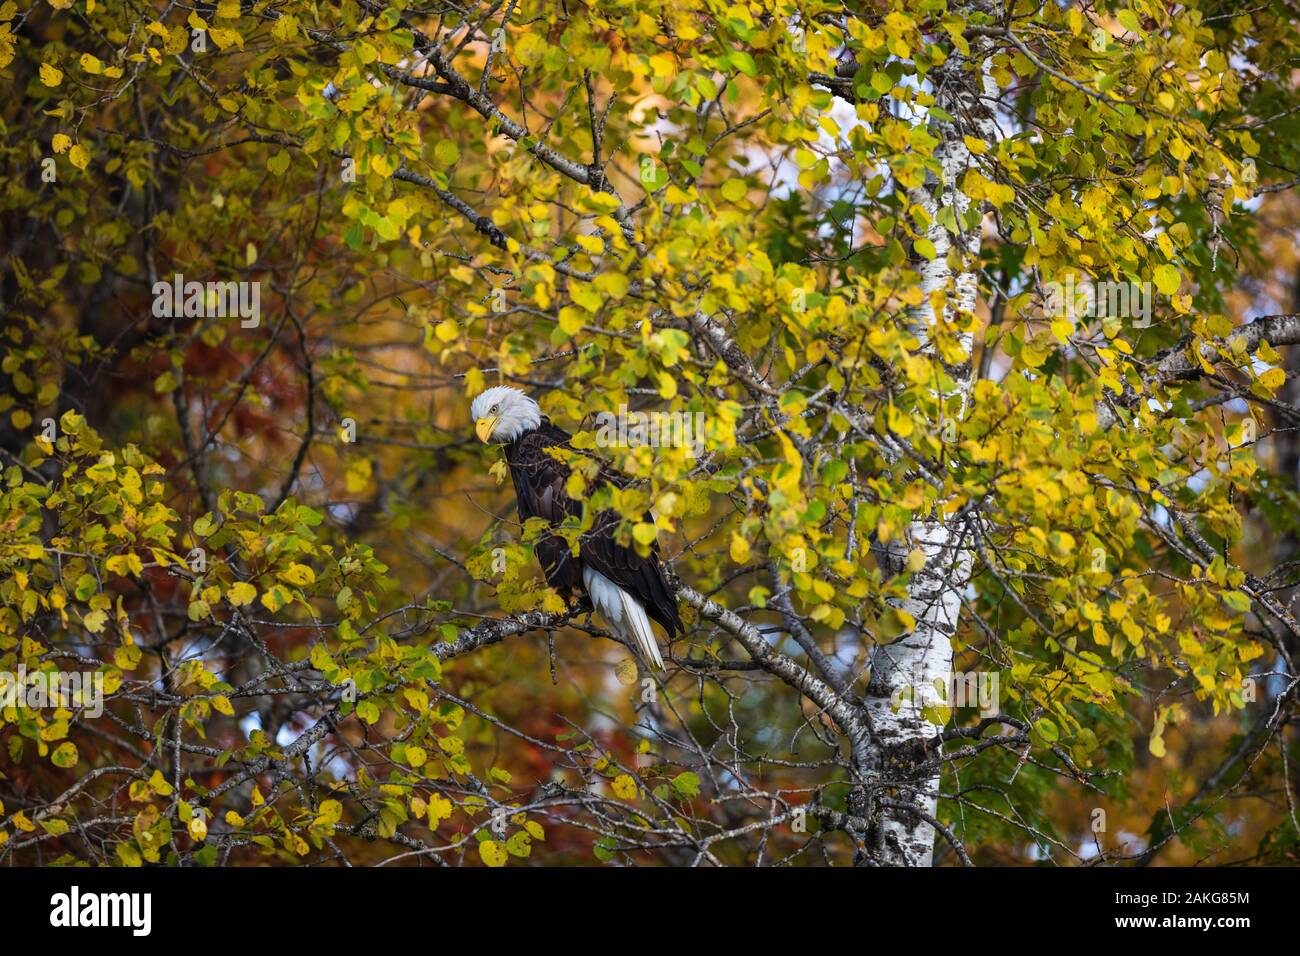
<point x="1167" y="279"/>
<point x="226" y="38"/>
<point x="613" y="284"/>
<point x="1157" y="745"/>
<point x="124" y="564"/>
<point x="493" y="853"/>
<point x="158" y="783"/>
<point x="439" y="808"/>
<point x="298" y="574"/>
<point x="382" y="165"/>
<point x="733" y="190"/>
<point x="241" y="593"/>
<point x="900" y="423"/>
<point x="286" y="28"/>
<point x="590" y="244"/>
<point x="571" y="320"/>
<point x="80" y="156"/>
<point x="51" y="75"/>
<point x="1273" y="378"/>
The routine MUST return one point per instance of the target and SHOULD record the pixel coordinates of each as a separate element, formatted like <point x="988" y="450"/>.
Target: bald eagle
<point x="627" y="589"/>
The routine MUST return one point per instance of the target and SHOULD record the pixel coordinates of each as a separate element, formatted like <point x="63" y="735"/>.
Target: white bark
<point x="904" y="673"/>
<point x="914" y="673"/>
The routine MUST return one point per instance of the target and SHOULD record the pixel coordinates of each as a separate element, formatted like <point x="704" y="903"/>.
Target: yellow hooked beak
<point x="484" y="427"/>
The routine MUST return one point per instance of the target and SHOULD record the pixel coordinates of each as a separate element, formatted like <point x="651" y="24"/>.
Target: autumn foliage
<point x="836" y="236"/>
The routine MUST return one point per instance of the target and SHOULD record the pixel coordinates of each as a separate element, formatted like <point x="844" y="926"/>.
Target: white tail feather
<point x="624" y="613"/>
<point x="639" y="625"/>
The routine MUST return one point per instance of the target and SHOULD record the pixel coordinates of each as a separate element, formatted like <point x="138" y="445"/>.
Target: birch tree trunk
<point x="915" y="671"/>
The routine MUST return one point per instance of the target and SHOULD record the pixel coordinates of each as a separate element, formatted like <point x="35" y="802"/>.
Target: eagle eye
<point x="495" y="408"/>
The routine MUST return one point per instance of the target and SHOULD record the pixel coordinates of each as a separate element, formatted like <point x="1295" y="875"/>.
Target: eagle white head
<point x="502" y="414"/>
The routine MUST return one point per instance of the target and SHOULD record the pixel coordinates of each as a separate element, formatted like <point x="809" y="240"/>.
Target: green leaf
<point x="446" y="153"/>
<point x="743" y="62"/>
<point x="687" y="784"/>
<point x="65" y="755"/>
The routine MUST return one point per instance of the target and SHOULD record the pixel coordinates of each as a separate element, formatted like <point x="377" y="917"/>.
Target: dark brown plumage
<point x="539" y="480"/>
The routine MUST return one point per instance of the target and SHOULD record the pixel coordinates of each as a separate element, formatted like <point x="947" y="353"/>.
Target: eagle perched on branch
<point x="627" y="589"/>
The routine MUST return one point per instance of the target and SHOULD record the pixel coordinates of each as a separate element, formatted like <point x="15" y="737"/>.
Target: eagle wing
<point x="539" y="493"/>
<point x="539" y="480"/>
